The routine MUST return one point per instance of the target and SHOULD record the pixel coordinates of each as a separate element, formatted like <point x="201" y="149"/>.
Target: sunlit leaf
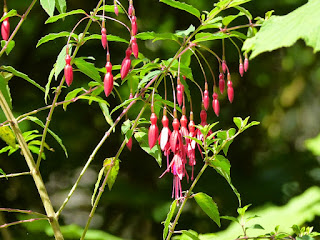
<point x="70" y="96"/>
<point x="207" y="204"/>
<point x="4" y="87"/>
<point x="63" y="15"/>
<point x="110" y="38"/>
<point x="113" y="173"/>
<point x="53" y="36"/>
<point x="168" y="219"/>
<point x="61" y="6"/>
<point x="9" y="47"/>
<point x="88" y="69"/>
<point x="48" y="6"/>
<point x="11" y="13"/>
<point x="183" y="6"/>
<point x="7" y="135"/>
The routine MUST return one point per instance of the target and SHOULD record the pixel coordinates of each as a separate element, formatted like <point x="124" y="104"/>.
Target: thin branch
<point x="15" y="175"/>
<point x="21" y="221"/>
<point x="22" y="211"/>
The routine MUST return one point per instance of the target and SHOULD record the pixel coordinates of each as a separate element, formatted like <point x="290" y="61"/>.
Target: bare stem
<point x="14" y="175"/>
<point x="22" y="211"/>
<point x="22" y="221"/>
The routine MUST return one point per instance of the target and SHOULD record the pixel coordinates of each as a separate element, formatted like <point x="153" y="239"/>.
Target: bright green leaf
<point x="207" y="204"/>
<point x="124" y="103"/>
<point x="106" y="114"/>
<point x="46" y="94"/>
<point x="168" y="219"/>
<point x="63" y="15"/>
<point x="110" y="8"/>
<point x="60" y="63"/>
<point x="244" y="11"/>
<point x="206" y="36"/>
<point x="70" y="96"/>
<point x="7" y="135"/>
<point x="183" y="6"/>
<point x="9" y="47"/>
<point x="53" y="36"/>
<point x="11" y="13"/>
<point x="97" y="184"/>
<point x="48" y="6"/>
<point x="113" y="172"/>
<point x="111" y="38"/>
<point x="242" y="211"/>
<point x="88" y="69"/>
<point x="227" y="20"/>
<point x="61" y="6"/>
<point x="156" y="36"/>
<point x="189" y="235"/>
<point x="4" y="87"/>
<point x="284" y="31"/>
<point x="237" y="3"/>
<point x="142" y="137"/>
<point x="148" y="77"/>
<point x="21" y="75"/>
<point x="233" y="219"/>
<point x="3" y="173"/>
<point x="185" y="33"/>
<point x="55" y="136"/>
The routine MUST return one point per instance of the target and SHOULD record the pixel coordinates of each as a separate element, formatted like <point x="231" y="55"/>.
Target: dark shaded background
<point x="269" y="162"/>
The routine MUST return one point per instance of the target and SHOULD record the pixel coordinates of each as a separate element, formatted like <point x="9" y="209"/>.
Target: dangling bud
<point x="206" y="99"/>
<point x="129" y="144"/>
<point x="104" y="37"/>
<point x="215" y="104"/>
<point x="153" y="131"/>
<point x="126" y="64"/>
<point x="134" y="26"/>
<point x="5" y="28"/>
<point x="134" y="47"/>
<point x="241" y="70"/>
<point x="221" y="83"/>
<point x="230" y="92"/>
<point x="224" y="66"/>
<point x="246" y="64"/>
<point x="108" y="80"/>
<point x="68" y="72"/>
<point x="130" y="10"/>
<point x="180" y="93"/>
<point x="116" y="9"/>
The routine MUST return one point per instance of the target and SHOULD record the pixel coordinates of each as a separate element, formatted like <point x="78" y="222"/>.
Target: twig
<point x="22" y="211"/>
<point x="15" y="175"/>
<point x="21" y="221"/>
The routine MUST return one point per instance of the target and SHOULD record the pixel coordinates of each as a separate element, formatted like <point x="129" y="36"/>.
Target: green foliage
<point x="11" y="13"/>
<point x="183" y="6"/>
<point x="7" y="135"/>
<point x="53" y="19"/>
<point x="4" y="86"/>
<point x="168" y="219"/>
<point x="111" y="166"/>
<point x="313" y="145"/>
<point x="88" y="69"/>
<point x="48" y="6"/>
<point x="9" y="47"/>
<point x="53" y="36"/>
<point x="284" y="31"/>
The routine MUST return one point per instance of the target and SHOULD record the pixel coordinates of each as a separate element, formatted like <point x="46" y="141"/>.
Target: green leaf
<point x="88" y="69"/>
<point x="227" y="20"/>
<point x="97" y="184"/>
<point x="222" y="166"/>
<point x="156" y="36"/>
<point x="61" y="6"/>
<point x="183" y="6"/>
<point x="46" y="94"/>
<point x="253" y="123"/>
<point x="313" y="145"/>
<point x="9" y="47"/>
<point x="142" y="137"/>
<point x="94" y="99"/>
<point x="70" y="96"/>
<point x="48" y="6"/>
<point x="148" y="77"/>
<point x="3" y="173"/>
<point x="126" y="102"/>
<point x="7" y="135"/>
<point x="284" y="31"/>
<point x="257" y="226"/>
<point x="21" y="75"/>
<point x="4" y="87"/>
<point x="242" y="211"/>
<point x="63" y="15"/>
<point x="238" y="121"/>
<point x="185" y="33"/>
<point x="305" y="237"/>
<point x="207" y="204"/>
<point x="237" y="3"/>
<point x="55" y="136"/>
<point x="168" y="218"/>
<point x="110" y="8"/>
<point x="244" y="11"/>
<point x="113" y="172"/>
<point x="233" y="219"/>
<point x="189" y="235"/>
<point x="206" y="36"/>
<point x="11" y="13"/>
<point x="106" y="114"/>
<point x="53" y="36"/>
<point x="111" y="38"/>
<point x="60" y="63"/>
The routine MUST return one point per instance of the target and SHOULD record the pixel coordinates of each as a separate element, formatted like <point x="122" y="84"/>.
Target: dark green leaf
<point x="142" y="137"/>
<point x="183" y="6"/>
<point x="21" y="75"/>
<point x="55" y="136"/>
<point x="63" y="15"/>
<point x="168" y="219"/>
<point x="208" y="206"/>
<point x="126" y="102"/>
<point x="113" y="172"/>
<point x="257" y="226"/>
<point x="284" y="31"/>
<point x="48" y="6"/>
<point x="70" y="96"/>
<point x="4" y="87"/>
<point x="9" y="47"/>
<point x="53" y="36"/>
<point x="11" y="13"/>
<point x="111" y="38"/>
<point x="88" y="69"/>
<point x="61" y="6"/>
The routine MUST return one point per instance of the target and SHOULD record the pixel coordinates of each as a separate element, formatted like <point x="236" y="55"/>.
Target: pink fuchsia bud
<point x="134" y="26"/>
<point x="108" y="67"/>
<point x="230" y="92"/>
<point x="175" y="138"/>
<point x="130" y="10"/>
<point x="68" y="72"/>
<point x="246" y="64"/>
<point x="203" y="117"/>
<point x="221" y="83"/>
<point x="153" y="133"/>
<point x="104" y="37"/>
<point x="108" y="83"/>
<point x="184" y="130"/>
<point x="164" y="134"/>
<point x="116" y="9"/>
<point x="126" y="64"/>
<point x="129" y="144"/>
<point x="224" y="66"/>
<point x="206" y="99"/>
<point x="180" y="93"/>
<point x="215" y="104"/>
<point x="5" y="29"/>
<point x="241" y="70"/>
<point x="134" y="47"/>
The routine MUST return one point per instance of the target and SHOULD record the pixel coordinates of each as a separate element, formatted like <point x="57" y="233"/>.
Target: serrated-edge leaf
<point x="22" y="75"/>
<point x="53" y="36"/>
<point x="88" y="69"/>
<point x="113" y="172"/>
<point x="11" y="13"/>
<point x="97" y="184"/>
<point x="126" y="102"/>
<point x="183" y="6"/>
<point x="110" y="38"/>
<point x="168" y="218"/>
<point x="55" y="136"/>
<point x="48" y="6"/>
<point x="63" y="15"/>
<point x="207" y="204"/>
<point x="70" y="96"/>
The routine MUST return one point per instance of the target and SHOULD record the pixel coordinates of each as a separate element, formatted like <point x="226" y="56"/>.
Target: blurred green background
<point x="270" y="162"/>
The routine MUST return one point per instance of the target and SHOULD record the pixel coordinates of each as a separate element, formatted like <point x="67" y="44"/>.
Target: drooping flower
<point x="134" y="26"/>
<point x="164" y="137"/>
<point x="108" y="79"/>
<point x="175" y="138"/>
<point x="241" y="70"/>
<point x="230" y="92"/>
<point x="116" y="9"/>
<point x="180" y="92"/>
<point x="104" y="37"/>
<point x="5" y="28"/>
<point x="126" y="64"/>
<point x="177" y="169"/>
<point x="134" y="46"/>
<point x="68" y="72"/>
<point x="246" y="64"/>
<point x="191" y="145"/>
<point x="221" y="83"/>
<point x="153" y="133"/>
<point x="224" y="66"/>
<point x="184" y="133"/>
<point x="215" y="104"/>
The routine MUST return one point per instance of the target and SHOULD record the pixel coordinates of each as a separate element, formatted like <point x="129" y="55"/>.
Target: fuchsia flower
<point x="184" y="132"/>
<point x="246" y="64"/>
<point x="116" y="9"/>
<point x="108" y="79"/>
<point x="126" y="64"/>
<point x="203" y="117"/>
<point x="191" y="146"/>
<point x="153" y="131"/>
<point x="230" y="92"/>
<point x="180" y="92"/>
<point x="134" y="26"/>
<point x="129" y="143"/>
<point x="104" y="37"/>
<point x="177" y="169"/>
<point x="221" y="83"/>
<point x="206" y="99"/>
<point x="224" y="66"/>
<point x="215" y="104"/>
<point x="5" y="28"/>
<point x="241" y="70"/>
<point x="134" y="47"/>
<point x="175" y="138"/>
<point x="68" y="72"/>
<point x="164" y="138"/>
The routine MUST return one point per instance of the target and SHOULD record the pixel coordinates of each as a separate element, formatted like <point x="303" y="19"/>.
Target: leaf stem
<point x="15" y="175"/>
<point x="22" y="221"/>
